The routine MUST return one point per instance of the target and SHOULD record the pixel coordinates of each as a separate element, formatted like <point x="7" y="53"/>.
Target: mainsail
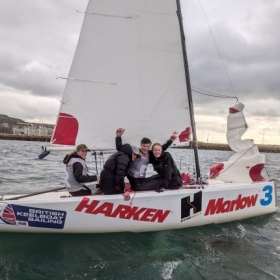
<point x="128" y="72"/>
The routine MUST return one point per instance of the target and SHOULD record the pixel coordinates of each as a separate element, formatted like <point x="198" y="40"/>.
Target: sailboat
<point x="130" y="70"/>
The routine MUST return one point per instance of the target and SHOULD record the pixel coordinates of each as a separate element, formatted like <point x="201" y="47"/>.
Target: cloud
<point x="238" y="49"/>
<point x="39" y="41"/>
<point x="28" y="107"/>
<point x="233" y="49"/>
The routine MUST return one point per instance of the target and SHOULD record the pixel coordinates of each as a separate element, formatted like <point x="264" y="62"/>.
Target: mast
<point x="188" y="83"/>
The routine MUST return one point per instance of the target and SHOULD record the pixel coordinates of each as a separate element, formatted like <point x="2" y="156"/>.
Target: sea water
<point x="248" y="249"/>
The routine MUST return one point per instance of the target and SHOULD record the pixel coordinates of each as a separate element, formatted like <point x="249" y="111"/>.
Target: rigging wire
<point x="102" y="160"/>
<point x="95" y="161"/>
<point x="277" y="182"/>
<point x="209" y="93"/>
<point x="216" y="45"/>
<point x="99" y="160"/>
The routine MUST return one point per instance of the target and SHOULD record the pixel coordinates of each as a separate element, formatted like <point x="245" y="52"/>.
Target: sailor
<point x="77" y="172"/>
<point x="164" y="165"/>
<point x="137" y="171"/>
<point x="115" y="169"/>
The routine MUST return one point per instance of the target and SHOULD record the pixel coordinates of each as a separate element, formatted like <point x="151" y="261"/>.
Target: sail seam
<point x="105" y="15"/>
<point x="84" y="80"/>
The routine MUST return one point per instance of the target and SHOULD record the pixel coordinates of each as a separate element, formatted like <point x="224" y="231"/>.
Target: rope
<point x="208" y="93"/>
<point x="132" y="199"/>
<point x="237" y="160"/>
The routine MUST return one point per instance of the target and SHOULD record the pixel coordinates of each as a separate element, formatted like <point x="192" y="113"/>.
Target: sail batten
<point x="127" y="71"/>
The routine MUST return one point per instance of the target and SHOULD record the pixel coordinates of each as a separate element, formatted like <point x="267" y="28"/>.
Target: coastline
<point x="225" y="147"/>
<point x="5" y="136"/>
<point x="201" y="145"/>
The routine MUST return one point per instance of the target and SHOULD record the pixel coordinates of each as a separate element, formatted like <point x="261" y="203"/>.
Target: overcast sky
<point x="38" y="40"/>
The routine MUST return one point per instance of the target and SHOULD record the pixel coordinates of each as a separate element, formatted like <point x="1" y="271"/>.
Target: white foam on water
<point x="242" y="230"/>
<point x="100" y="265"/>
<point x="168" y="269"/>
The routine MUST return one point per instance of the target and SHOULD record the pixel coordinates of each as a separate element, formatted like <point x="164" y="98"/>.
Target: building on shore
<point x="4" y="127"/>
<point x="31" y="129"/>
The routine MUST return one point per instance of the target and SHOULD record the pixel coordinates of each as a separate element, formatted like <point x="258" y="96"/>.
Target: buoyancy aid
<point x="71" y="183"/>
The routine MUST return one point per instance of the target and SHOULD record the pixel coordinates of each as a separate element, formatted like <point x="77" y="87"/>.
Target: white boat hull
<point x="57" y="212"/>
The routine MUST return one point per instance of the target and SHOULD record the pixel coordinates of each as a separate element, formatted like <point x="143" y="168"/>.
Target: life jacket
<point x="71" y="184"/>
<point x="139" y="166"/>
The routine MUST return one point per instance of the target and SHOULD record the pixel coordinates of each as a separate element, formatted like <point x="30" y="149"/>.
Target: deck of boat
<point x="65" y="194"/>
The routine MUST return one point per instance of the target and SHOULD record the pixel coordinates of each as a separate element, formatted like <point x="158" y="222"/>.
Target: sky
<point x="233" y="50"/>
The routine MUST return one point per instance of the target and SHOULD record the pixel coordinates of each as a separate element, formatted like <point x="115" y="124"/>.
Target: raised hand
<point x="174" y="135"/>
<point x="119" y="132"/>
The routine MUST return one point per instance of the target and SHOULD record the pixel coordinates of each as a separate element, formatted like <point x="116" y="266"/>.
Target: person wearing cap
<point x="77" y="172"/>
<point x="112" y="177"/>
<point x="137" y="171"/>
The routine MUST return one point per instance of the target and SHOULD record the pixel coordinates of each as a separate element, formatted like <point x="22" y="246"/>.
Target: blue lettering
<point x="268" y="195"/>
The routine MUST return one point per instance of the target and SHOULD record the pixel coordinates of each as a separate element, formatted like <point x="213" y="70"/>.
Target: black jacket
<point x="167" y="169"/>
<point x="115" y="169"/>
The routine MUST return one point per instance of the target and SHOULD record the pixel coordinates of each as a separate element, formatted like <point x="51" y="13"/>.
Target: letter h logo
<point x="187" y="205"/>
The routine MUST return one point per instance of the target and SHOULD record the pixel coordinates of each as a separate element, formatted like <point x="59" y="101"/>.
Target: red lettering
<point x="148" y="215"/>
<point x="233" y="205"/>
<point x="216" y="206"/>
<point x="213" y="207"/>
<point x="252" y="200"/>
<point x="106" y="208"/>
<point x="226" y="206"/>
<point x="135" y="212"/>
<point x="243" y="202"/>
<point x="121" y="210"/>
<point x="160" y="216"/>
<point x="84" y="204"/>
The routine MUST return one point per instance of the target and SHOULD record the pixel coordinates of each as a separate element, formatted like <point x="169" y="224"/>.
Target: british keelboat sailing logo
<point x="8" y="215"/>
<point x="18" y="215"/>
<point x="187" y="205"/>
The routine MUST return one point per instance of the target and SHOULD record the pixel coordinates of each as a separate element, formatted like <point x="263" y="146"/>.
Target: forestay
<point x="127" y="72"/>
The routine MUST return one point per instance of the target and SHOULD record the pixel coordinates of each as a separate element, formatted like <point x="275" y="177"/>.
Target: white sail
<point x="127" y="72"/>
<point x="247" y="163"/>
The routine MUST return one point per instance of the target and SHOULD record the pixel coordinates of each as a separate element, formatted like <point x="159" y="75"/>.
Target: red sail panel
<point x="184" y="136"/>
<point x="66" y="130"/>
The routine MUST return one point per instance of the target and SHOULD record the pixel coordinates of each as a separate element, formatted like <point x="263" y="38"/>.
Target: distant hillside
<point x="9" y="121"/>
<point x="6" y="123"/>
